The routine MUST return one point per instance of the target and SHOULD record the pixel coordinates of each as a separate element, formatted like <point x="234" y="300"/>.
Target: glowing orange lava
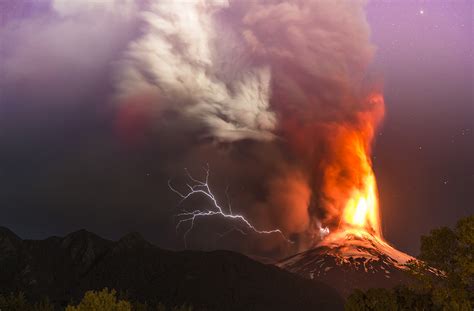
<point x="361" y="210"/>
<point x="349" y="184"/>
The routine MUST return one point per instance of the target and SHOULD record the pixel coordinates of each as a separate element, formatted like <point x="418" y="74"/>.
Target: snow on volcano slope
<point x="348" y="260"/>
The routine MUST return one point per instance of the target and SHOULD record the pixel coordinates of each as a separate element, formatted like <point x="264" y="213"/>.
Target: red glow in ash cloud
<point x="134" y="120"/>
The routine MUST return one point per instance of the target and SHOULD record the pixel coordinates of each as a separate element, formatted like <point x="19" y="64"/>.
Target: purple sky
<point x="425" y="150"/>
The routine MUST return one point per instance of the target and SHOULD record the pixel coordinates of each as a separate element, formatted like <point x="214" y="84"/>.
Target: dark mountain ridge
<point x="63" y="268"/>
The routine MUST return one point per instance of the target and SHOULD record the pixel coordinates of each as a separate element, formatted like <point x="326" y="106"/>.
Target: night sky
<point x="425" y="149"/>
<point x="67" y="163"/>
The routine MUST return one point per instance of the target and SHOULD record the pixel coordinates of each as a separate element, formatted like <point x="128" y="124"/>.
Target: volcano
<point x="354" y="255"/>
<point x="349" y="260"/>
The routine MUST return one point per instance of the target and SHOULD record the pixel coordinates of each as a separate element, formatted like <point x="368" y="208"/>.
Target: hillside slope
<point x="62" y="268"/>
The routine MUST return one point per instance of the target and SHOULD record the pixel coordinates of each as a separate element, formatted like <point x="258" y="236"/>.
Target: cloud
<point x="178" y="59"/>
<point x="63" y="49"/>
<point x="67" y="8"/>
<point x="243" y="70"/>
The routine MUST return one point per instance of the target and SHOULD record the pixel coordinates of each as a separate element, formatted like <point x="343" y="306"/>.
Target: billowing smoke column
<point x="186" y="62"/>
<point x="288" y="73"/>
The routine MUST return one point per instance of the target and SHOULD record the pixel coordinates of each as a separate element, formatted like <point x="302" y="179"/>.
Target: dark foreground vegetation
<point x="103" y="300"/>
<point x="450" y="251"/>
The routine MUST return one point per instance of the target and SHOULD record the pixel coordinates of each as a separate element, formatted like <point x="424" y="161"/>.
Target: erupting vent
<point x="354" y="254"/>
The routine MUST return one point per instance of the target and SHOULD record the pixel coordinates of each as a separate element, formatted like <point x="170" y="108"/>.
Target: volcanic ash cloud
<point x="290" y="72"/>
<point x="178" y="62"/>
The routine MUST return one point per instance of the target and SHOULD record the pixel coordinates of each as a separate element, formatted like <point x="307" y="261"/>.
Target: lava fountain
<point x="354" y="254"/>
<point x="350" y="187"/>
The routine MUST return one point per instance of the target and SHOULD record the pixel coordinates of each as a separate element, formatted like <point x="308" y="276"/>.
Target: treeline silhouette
<point x="103" y="300"/>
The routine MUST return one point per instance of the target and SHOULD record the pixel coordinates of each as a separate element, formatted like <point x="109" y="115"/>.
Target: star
<point x="422" y="12"/>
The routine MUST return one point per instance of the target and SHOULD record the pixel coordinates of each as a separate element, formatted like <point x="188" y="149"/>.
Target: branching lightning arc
<point x="199" y="187"/>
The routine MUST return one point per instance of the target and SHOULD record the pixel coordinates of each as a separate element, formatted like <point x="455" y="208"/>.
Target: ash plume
<point x="272" y="94"/>
<point x="292" y="74"/>
<point x="179" y="64"/>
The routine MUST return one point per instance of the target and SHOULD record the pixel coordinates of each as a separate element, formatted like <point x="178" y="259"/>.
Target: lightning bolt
<point x="199" y="187"/>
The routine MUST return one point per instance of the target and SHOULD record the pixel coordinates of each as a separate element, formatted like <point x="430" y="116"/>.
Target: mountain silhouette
<point x="63" y="268"/>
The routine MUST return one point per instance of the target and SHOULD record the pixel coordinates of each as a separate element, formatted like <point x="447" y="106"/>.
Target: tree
<point x="14" y="302"/>
<point x="103" y="300"/>
<point x="18" y="302"/>
<point x="409" y="299"/>
<point x="375" y="299"/>
<point x="452" y="251"/>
